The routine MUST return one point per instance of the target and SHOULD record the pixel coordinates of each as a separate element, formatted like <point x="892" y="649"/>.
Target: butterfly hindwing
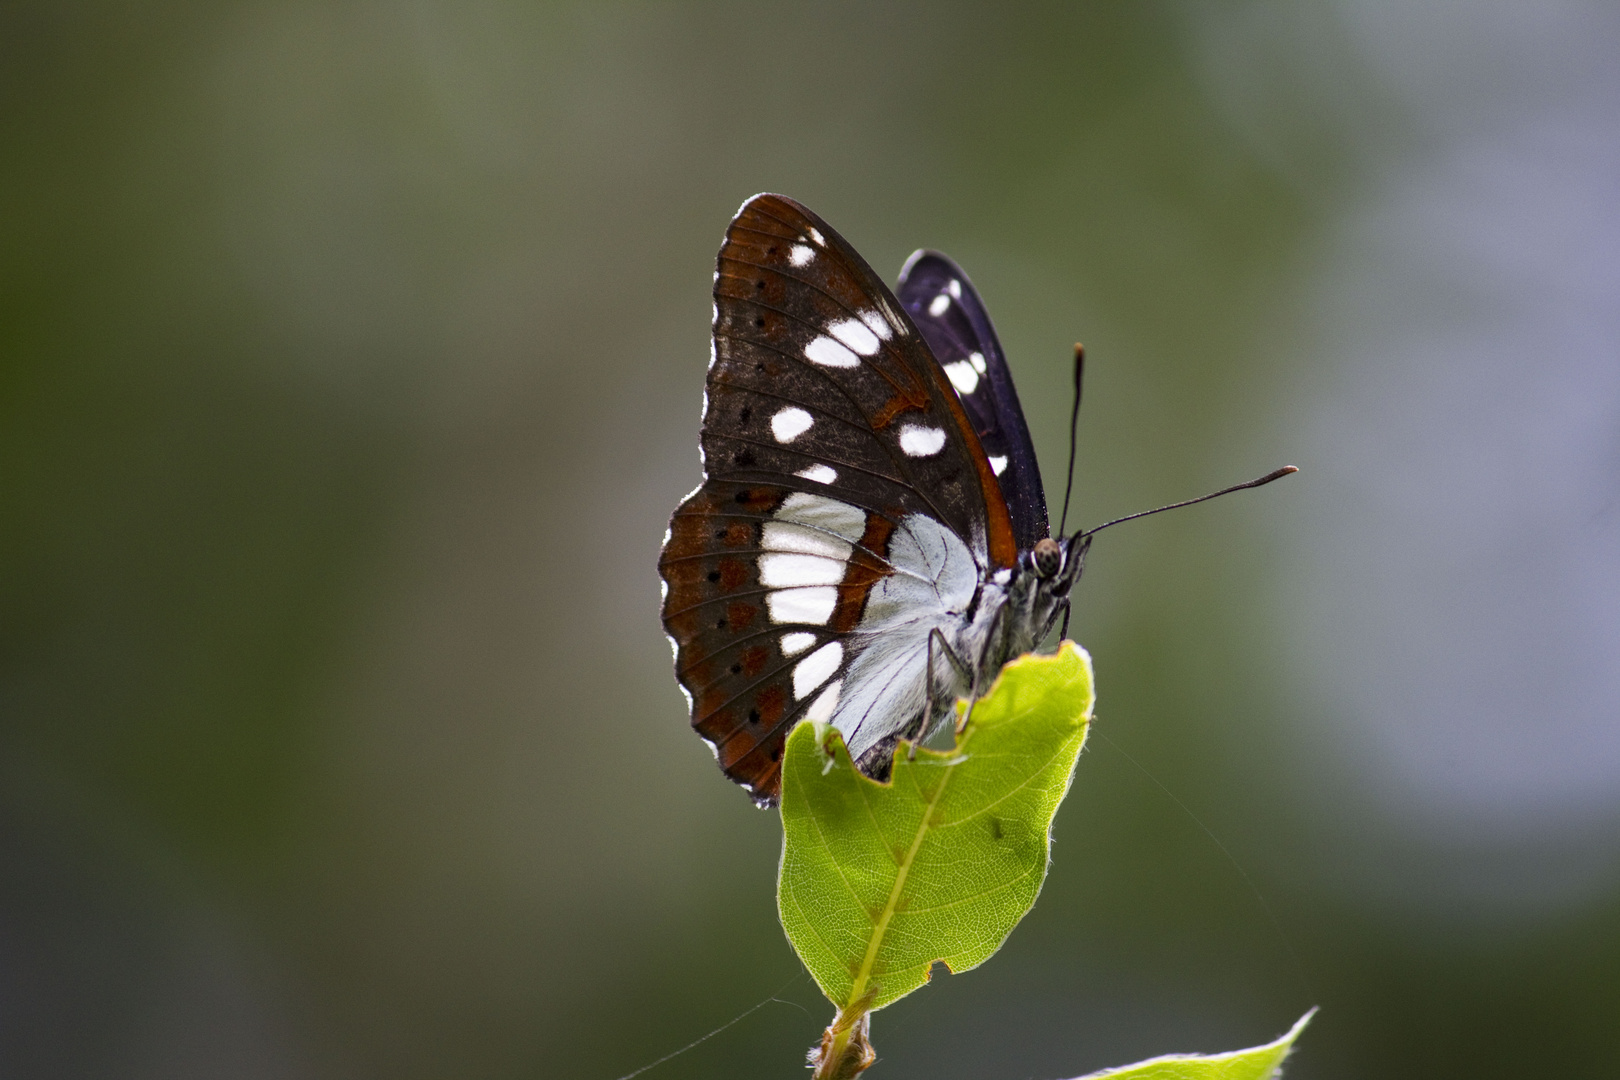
<point x="947" y="310"/>
<point x="832" y="442"/>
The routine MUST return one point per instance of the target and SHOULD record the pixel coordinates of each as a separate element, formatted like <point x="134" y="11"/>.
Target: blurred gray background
<point x="352" y="358"/>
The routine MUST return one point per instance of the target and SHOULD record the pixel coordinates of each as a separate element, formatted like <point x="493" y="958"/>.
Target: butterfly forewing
<point x="945" y="307"/>
<point x="828" y="426"/>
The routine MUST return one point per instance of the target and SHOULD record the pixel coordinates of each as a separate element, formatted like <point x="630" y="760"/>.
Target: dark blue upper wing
<point x="942" y="302"/>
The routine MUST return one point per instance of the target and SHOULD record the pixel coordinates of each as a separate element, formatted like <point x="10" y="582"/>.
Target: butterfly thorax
<point x="1011" y="613"/>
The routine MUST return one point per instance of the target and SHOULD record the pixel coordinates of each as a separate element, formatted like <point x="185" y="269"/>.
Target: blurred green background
<point x="352" y="359"/>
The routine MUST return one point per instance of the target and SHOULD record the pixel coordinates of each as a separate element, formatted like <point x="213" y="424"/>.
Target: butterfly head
<point x="1057" y="563"/>
<point x="1049" y="570"/>
<point x="1047" y="557"/>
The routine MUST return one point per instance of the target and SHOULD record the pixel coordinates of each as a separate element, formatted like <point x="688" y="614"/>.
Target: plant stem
<point x="846" y="1050"/>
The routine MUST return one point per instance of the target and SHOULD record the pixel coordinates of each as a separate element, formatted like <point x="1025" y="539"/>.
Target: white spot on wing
<point x="955" y="288"/>
<point x="806" y="547"/>
<point x="878" y="324"/>
<point x="829" y="353"/>
<point x="802" y="605"/>
<point x="800" y="255"/>
<point x="785" y="570"/>
<point x="821" y="709"/>
<point x="790" y="423"/>
<point x="997" y="464"/>
<point x="821" y="474"/>
<point x="940" y="304"/>
<point x="821" y="513"/>
<point x="962" y="376"/>
<point x="795" y="643"/>
<point x="856" y="334"/>
<point x="814" y="235"/>
<point x="816" y="669"/>
<point x="786" y="536"/>
<point x="977" y="360"/>
<point x="894" y="318"/>
<point x="919" y="441"/>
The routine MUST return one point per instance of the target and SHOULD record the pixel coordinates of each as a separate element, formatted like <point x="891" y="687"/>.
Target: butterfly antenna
<point x="1074" y="427"/>
<point x="1266" y="479"/>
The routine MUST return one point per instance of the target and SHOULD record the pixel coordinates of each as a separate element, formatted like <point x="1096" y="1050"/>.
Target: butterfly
<point x="870" y="541"/>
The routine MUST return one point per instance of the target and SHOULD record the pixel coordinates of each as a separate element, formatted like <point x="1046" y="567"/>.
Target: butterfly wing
<point x="947" y="310"/>
<point x="844" y="489"/>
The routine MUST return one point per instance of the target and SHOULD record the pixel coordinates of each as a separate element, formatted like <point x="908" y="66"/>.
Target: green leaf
<point x="1257" y="1063"/>
<point x="879" y="881"/>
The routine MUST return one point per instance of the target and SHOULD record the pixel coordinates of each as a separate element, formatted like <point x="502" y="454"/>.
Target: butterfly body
<point x="870" y="539"/>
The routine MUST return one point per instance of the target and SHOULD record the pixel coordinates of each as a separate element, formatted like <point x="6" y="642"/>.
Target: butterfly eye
<point x="1048" y="557"/>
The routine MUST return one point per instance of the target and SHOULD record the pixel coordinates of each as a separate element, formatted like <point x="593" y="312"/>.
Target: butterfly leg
<point x="990" y="646"/>
<point x="935" y="637"/>
<point x="1077" y="559"/>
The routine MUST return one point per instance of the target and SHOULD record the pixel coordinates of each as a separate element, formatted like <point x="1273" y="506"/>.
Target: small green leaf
<point x="880" y="881"/>
<point x="1257" y="1063"/>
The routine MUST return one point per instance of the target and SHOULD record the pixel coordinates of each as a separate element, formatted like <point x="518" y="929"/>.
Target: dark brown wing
<point x="827" y="422"/>
<point x="945" y="306"/>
